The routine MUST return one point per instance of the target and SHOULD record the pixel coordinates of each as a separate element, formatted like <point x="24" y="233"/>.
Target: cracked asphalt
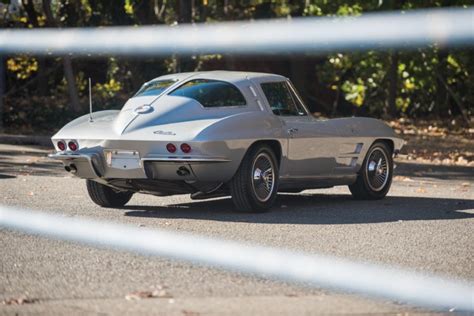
<point x="425" y="225"/>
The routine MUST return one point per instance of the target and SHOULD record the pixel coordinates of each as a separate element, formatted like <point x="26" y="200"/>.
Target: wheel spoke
<point x="377" y="169"/>
<point x="263" y="177"/>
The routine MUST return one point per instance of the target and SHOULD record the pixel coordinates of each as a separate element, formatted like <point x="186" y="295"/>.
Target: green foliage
<point x="22" y="66"/>
<point x="36" y="114"/>
<point x="429" y="81"/>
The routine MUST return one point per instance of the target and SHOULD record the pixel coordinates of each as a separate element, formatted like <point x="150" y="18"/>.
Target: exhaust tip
<point x="183" y="171"/>
<point x="71" y="168"/>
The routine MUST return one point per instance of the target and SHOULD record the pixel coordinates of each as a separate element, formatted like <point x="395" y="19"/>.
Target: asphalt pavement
<point x="425" y="225"/>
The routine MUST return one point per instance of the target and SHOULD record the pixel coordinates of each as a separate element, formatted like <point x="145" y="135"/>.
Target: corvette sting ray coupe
<point x="220" y="133"/>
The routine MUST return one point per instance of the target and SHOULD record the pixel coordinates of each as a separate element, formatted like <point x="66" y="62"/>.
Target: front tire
<point x="255" y="185"/>
<point x="105" y="196"/>
<point x="375" y="177"/>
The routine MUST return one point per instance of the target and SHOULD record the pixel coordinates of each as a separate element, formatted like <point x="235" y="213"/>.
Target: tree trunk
<point x="50" y="21"/>
<point x="68" y="70"/>
<point x="185" y="15"/>
<point x="442" y="96"/>
<point x="31" y="12"/>
<point x="33" y="18"/>
<point x="229" y="59"/>
<point x="299" y="64"/>
<point x="71" y="85"/>
<point x="392" y="77"/>
<point x="2" y="90"/>
<point x="458" y="102"/>
<point x="298" y="74"/>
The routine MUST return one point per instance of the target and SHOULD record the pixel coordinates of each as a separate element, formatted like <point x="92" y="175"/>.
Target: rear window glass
<point x="155" y="87"/>
<point x="211" y="93"/>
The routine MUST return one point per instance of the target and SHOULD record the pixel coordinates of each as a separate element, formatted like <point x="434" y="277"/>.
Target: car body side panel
<point x="334" y="147"/>
<point x="320" y="148"/>
<point x="313" y="147"/>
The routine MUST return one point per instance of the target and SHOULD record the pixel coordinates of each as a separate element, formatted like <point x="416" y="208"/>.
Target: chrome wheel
<point x="377" y="169"/>
<point x="255" y="184"/>
<point x="263" y="177"/>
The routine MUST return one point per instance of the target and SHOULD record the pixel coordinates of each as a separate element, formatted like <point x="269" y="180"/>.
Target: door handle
<point x="292" y="130"/>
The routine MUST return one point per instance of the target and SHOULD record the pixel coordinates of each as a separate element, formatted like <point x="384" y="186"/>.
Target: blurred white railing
<point x="308" y="269"/>
<point x="408" y="30"/>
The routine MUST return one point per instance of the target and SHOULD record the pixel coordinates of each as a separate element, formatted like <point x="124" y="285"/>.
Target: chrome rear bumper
<point x="190" y="168"/>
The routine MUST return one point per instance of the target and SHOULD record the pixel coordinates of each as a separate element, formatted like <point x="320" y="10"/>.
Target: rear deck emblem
<point x="145" y="108"/>
<point x="159" y="132"/>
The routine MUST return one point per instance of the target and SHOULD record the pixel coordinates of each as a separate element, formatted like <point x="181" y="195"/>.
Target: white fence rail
<point x="412" y="29"/>
<point x="314" y="270"/>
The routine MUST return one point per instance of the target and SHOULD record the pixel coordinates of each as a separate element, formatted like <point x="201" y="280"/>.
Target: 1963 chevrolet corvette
<point x="218" y="133"/>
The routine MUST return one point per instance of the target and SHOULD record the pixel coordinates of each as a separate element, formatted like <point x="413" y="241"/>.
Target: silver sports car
<point x="218" y="133"/>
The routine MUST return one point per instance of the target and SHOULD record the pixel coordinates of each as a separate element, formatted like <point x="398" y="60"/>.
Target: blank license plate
<point x="123" y="159"/>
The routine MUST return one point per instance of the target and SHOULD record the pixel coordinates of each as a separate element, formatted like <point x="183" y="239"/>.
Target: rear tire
<point x="105" y="196"/>
<point x="254" y="187"/>
<point x="375" y="176"/>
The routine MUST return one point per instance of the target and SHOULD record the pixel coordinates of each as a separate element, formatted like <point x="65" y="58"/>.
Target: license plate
<point x="123" y="159"/>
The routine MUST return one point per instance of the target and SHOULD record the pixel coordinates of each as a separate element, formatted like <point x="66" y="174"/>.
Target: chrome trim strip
<point x="320" y="177"/>
<point x="68" y="156"/>
<point x="186" y="159"/>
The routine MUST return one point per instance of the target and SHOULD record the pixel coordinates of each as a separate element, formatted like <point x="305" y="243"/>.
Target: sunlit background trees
<point x="42" y="93"/>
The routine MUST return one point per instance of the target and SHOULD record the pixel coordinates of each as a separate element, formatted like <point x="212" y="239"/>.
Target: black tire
<point x="250" y="194"/>
<point x="105" y="196"/>
<point x="370" y="183"/>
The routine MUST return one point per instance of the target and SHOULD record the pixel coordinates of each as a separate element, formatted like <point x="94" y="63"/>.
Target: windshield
<point x="155" y="87"/>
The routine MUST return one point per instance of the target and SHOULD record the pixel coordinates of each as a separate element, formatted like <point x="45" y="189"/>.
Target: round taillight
<point x="171" y="148"/>
<point x="61" y="145"/>
<point x="72" y="145"/>
<point x="185" y="148"/>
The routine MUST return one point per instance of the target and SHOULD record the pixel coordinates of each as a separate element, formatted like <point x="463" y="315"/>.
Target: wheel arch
<point x="242" y="188"/>
<point x="360" y="188"/>
<point x="274" y="144"/>
<point x="386" y="141"/>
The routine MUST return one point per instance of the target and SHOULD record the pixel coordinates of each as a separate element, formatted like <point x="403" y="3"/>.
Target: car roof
<point x="230" y="76"/>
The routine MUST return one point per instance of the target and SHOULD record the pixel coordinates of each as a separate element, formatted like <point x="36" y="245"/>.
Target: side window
<point x="297" y="98"/>
<point x="211" y="93"/>
<point x="281" y="99"/>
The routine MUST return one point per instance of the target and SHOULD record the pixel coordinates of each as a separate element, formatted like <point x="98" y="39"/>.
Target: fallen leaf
<point x="408" y="180"/>
<point x="189" y="313"/>
<point x="147" y="294"/>
<point x="138" y="295"/>
<point x="421" y="190"/>
<point x="462" y="161"/>
<point x="19" y="301"/>
<point x="162" y="294"/>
